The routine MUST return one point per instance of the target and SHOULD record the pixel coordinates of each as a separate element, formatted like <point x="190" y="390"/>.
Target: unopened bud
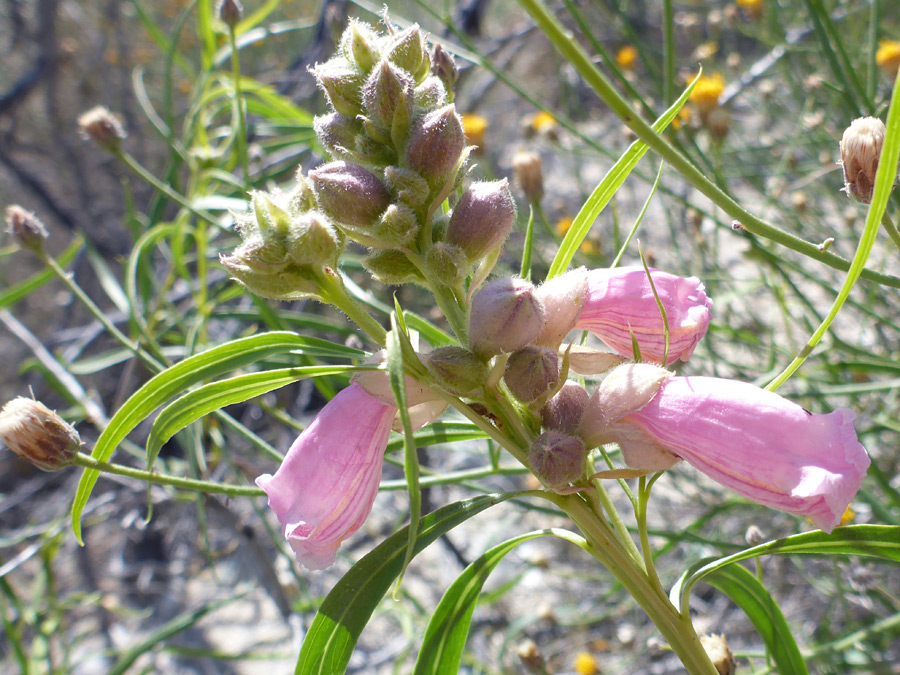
<point x="392" y="267"/>
<point x="563" y="411"/>
<point x="505" y="316"/>
<point x="230" y="12"/>
<point x="430" y="94"/>
<point x="350" y="194"/>
<point x="718" y="122"/>
<point x="444" y="68"/>
<point x="301" y="198"/>
<point x="557" y="459"/>
<point x="531" y="372"/>
<point x="397" y="226"/>
<point x="25" y="227"/>
<point x="718" y="652"/>
<point x="457" y="370"/>
<point x="754" y="536"/>
<point x="482" y="218"/>
<point x="407" y="50"/>
<point x="337" y="133"/>
<point x="436" y="145"/>
<point x="860" y="152"/>
<point x="448" y="263"/>
<point x="312" y="240"/>
<point x="529" y="173"/>
<point x="102" y="127"/>
<point x="342" y="84"/>
<point x="360" y="45"/>
<point x="36" y="433"/>
<point x="563" y="298"/>
<point x="407" y="186"/>
<point x="387" y="88"/>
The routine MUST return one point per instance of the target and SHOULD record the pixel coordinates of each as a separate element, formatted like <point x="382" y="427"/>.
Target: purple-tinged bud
<point x="342" y="84"/>
<point x="36" y="433"/>
<point x="407" y="186"/>
<point x="444" y="67"/>
<point x="436" y="145"/>
<point x="25" y="228"/>
<point x="529" y="174"/>
<point x="505" y="316"/>
<point x="313" y="241"/>
<point x="457" y="370"/>
<point x="407" y="50"/>
<point x="563" y="412"/>
<point x="392" y="268"/>
<point x="448" y="263"/>
<point x="563" y="298"/>
<point x="301" y="198"/>
<point x="531" y="372"/>
<point x="337" y="133"/>
<point x="429" y="95"/>
<point x="102" y="127"/>
<point x="360" y="45"/>
<point x="861" y="147"/>
<point x="387" y="88"/>
<point x="230" y="12"/>
<point x="557" y="460"/>
<point x="350" y="194"/>
<point x="482" y="218"/>
<point x="397" y="226"/>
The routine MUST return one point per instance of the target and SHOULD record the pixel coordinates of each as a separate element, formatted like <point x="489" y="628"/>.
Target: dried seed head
<point x="25" y="227"/>
<point x="36" y="433"/>
<point x="102" y="127"/>
<point x="529" y="173"/>
<point x="860" y="152"/>
<point x="230" y="12"/>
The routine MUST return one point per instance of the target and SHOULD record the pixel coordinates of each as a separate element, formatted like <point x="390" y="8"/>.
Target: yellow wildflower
<point x="848" y="517"/>
<point x="752" y="8"/>
<point x="563" y="225"/>
<point x="888" y="57"/>
<point x="590" y="247"/>
<point x="706" y="93"/>
<point x="627" y="57"/>
<point x="586" y="664"/>
<point x="544" y="123"/>
<point x="475" y="127"/>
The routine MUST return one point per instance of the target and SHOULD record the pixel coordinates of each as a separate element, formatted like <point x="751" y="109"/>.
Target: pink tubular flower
<point x="325" y="487"/>
<point x="621" y="302"/>
<point x="754" y="441"/>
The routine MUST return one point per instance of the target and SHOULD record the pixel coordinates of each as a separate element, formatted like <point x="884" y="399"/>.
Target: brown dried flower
<point x="103" y="127"/>
<point x="36" y="433"/>
<point x="860" y="151"/>
<point x="27" y="229"/>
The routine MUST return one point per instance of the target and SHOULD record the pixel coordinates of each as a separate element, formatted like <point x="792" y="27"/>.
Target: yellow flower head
<point x="888" y="57"/>
<point x="627" y="57"/>
<point x="586" y="664"/>
<point x="563" y="225"/>
<point x="848" y="517"/>
<point x="752" y="8"/>
<point x="475" y="127"/>
<point x="707" y="91"/>
<point x="544" y="123"/>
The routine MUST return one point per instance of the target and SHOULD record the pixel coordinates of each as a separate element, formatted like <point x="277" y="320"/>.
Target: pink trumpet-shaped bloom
<point x="621" y="302"/>
<point x="325" y="487"/>
<point x="757" y="443"/>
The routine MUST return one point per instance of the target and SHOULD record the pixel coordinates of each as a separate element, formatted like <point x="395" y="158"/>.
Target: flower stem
<point x="98" y="314"/>
<point x="335" y="293"/>
<point x="239" y="103"/>
<point x="891" y="229"/>
<point x="89" y="462"/>
<point x="675" y="627"/>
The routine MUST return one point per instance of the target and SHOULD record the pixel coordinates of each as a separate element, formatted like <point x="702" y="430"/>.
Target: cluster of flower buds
<point x="398" y="150"/>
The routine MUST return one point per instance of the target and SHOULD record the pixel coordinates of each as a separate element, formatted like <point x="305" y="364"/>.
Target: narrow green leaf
<point x="172" y="381"/>
<point x="16" y="292"/>
<point x="397" y="374"/>
<point x="445" y="636"/>
<point x="525" y="267"/>
<point x="215" y="395"/>
<point x="346" y="610"/>
<point x="607" y="188"/>
<point x="256" y="17"/>
<point x="751" y="596"/>
<point x="205" y="32"/>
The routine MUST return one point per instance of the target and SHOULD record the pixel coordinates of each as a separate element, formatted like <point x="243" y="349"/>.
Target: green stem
<point x="98" y="314"/>
<point x="335" y="293"/>
<point x="600" y="499"/>
<point x="891" y="229"/>
<point x="89" y="462"/>
<point x="668" y="54"/>
<point x="570" y="48"/>
<point x="675" y="627"/>
<point x="643" y="500"/>
<point x="239" y="102"/>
